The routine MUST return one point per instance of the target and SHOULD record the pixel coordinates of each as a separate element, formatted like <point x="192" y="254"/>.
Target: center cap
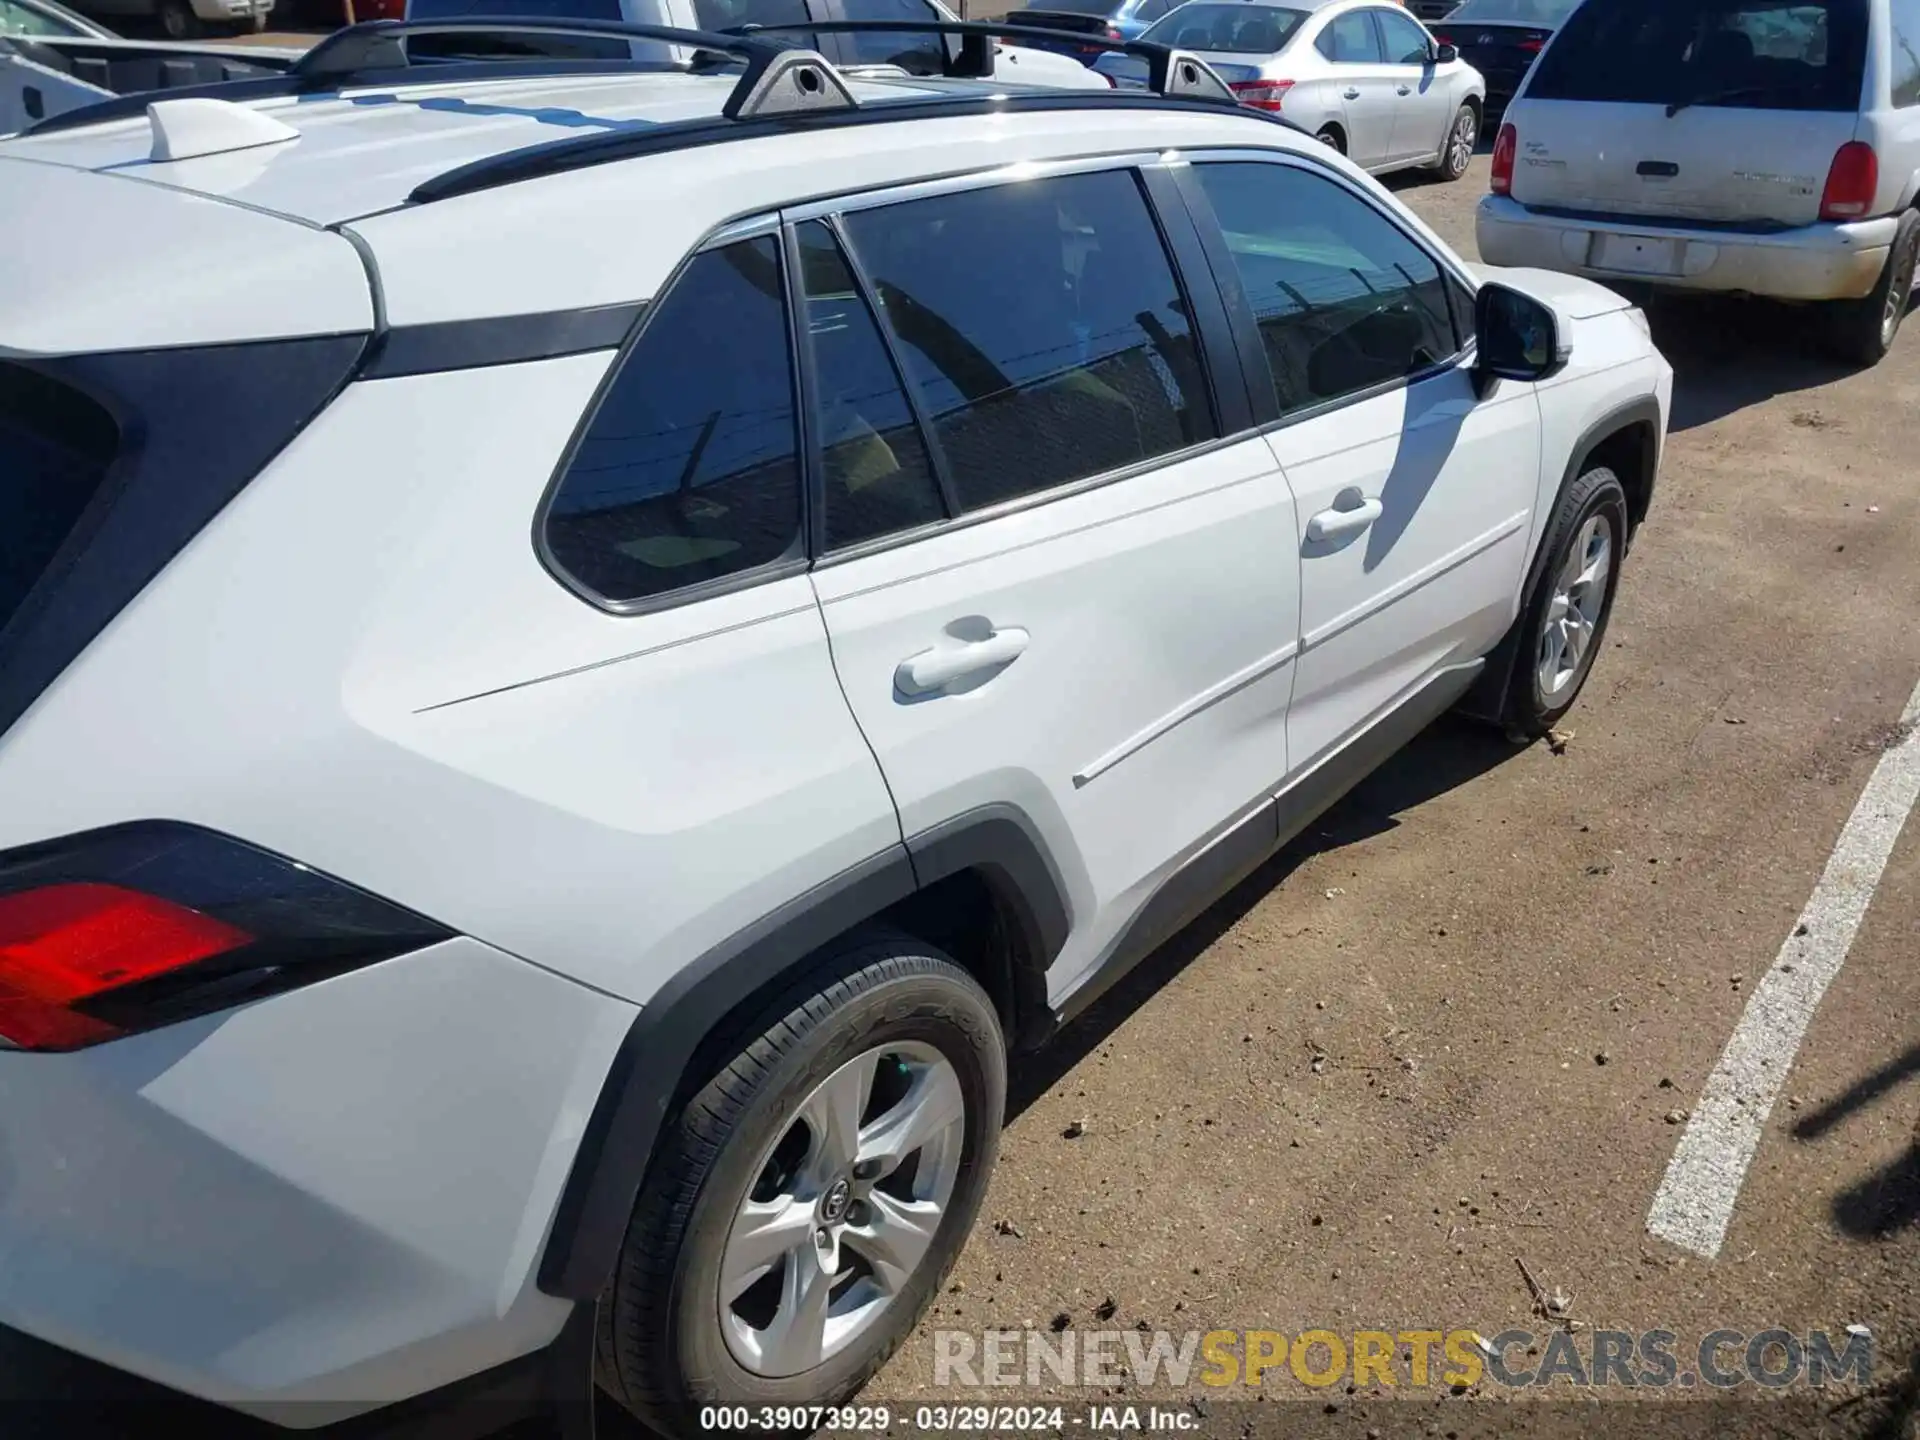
<point x="833" y="1204"/>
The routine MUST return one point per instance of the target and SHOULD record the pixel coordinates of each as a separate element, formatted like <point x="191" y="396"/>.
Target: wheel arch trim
<point x="616" y="1148"/>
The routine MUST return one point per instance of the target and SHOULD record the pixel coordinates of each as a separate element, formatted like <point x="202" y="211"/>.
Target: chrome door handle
<point x="1350" y="93"/>
<point x="939" y="667"/>
<point x="1351" y="514"/>
<point x="1406" y="89"/>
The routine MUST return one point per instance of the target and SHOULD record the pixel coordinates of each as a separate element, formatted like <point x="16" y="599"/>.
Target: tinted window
<point x="561" y="46"/>
<point x="688" y="471"/>
<point x="1151" y="10"/>
<point x="1753" y="54"/>
<point x="1545" y="13"/>
<point x="1345" y="299"/>
<point x="920" y="54"/>
<point x="1406" y="42"/>
<point x="1077" y="7"/>
<point x="1906" y="52"/>
<point x="1351" y="39"/>
<point x="873" y="461"/>
<point x="18" y="20"/>
<point x="55" y="446"/>
<point x="727" y="14"/>
<point x="1043" y="327"/>
<point x="1236" y="29"/>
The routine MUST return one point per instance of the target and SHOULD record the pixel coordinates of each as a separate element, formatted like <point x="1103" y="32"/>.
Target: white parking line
<point x="1695" y="1199"/>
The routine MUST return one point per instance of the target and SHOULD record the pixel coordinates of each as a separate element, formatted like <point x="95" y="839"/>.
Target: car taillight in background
<point x="1851" y="182"/>
<point x="125" y="929"/>
<point x="1261" y="94"/>
<point x="1534" y="44"/>
<point x="1505" y="146"/>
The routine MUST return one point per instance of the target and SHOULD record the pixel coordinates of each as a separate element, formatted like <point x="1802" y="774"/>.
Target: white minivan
<point x="1765" y="147"/>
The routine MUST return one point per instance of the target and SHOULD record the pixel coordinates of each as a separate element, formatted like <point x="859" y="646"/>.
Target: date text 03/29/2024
<point x="957" y="1419"/>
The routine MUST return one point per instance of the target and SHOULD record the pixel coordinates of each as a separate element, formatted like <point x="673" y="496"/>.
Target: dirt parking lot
<point x="1461" y="1028"/>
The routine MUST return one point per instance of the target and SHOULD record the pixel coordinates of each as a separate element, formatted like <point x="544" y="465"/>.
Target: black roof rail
<point x="780" y="79"/>
<point x="1170" y="71"/>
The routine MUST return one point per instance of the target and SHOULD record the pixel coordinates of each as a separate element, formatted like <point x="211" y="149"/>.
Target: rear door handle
<point x="939" y="667"/>
<point x="1351" y="513"/>
<point x="1406" y="89"/>
<point x="1351" y="93"/>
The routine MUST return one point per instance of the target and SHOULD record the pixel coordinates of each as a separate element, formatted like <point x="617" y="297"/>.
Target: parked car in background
<point x="1099" y="19"/>
<point x="1364" y="77"/>
<point x="916" y="53"/>
<point x="44" y="20"/>
<point x="1431" y="10"/>
<point x="1501" y="39"/>
<point x="182" y="19"/>
<point x="1763" y="147"/>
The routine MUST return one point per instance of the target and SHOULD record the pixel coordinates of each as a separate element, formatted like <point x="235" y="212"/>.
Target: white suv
<point x="563" y="707"/>
<point x="1766" y="147"/>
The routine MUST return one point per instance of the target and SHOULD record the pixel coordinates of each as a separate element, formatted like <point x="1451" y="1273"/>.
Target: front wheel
<point x="1863" y="331"/>
<point x="808" y="1202"/>
<point x="177" y="20"/>
<point x="1565" y="618"/>
<point x="1456" y="156"/>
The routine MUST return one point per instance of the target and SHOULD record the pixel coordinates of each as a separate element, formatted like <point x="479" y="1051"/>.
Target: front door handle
<point x="1351" y="513"/>
<point x="939" y="667"/>
<point x="1406" y="89"/>
<point x="1351" y="93"/>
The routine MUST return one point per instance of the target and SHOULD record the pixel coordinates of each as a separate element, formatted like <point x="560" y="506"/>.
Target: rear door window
<point x="1351" y="40"/>
<point x="55" y="447"/>
<point x="1744" y="54"/>
<point x="1043" y="327"/>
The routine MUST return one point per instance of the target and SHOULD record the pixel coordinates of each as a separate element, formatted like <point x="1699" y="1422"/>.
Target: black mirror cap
<point x="1444" y="54"/>
<point x="1517" y="336"/>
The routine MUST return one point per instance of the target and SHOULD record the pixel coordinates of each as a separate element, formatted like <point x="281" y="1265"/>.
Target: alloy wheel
<point x="843" y="1210"/>
<point x="1899" y="294"/>
<point x="1573" y="614"/>
<point x="1460" y="147"/>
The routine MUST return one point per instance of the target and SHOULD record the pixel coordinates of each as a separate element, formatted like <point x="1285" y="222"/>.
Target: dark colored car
<point x="1100" y="19"/>
<point x="1431" y="10"/>
<point x="1501" y="39"/>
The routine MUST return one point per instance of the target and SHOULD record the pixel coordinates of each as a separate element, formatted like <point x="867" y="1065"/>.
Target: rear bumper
<point x="313" y="1206"/>
<point x="1813" y="262"/>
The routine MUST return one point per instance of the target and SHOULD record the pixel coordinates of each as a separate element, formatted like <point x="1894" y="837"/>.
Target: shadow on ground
<point x="1886" y="1202"/>
<point x="1446" y="755"/>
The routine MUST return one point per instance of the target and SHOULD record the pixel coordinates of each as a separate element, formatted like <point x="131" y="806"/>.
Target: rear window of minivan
<point x="1744" y="54"/>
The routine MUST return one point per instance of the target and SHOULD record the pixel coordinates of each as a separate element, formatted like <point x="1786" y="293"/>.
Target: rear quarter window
<point x="1745" y="54"/>
<point x="56" y="445"/>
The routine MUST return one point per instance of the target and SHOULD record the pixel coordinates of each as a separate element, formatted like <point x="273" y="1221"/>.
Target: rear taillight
<point x="1442" y="37"/>
<point x="122" y="930"/>
<point x="1851" y="182"/>
<point x="1261" y="94"/>
<point x="1505" y="146"/>
<point x="1534" y="44"/>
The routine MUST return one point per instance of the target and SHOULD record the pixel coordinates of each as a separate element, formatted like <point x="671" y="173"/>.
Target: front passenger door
<point x="1423" y="102"/>
<point x="1415" y="495"/>
<point x="1365" y="87"/>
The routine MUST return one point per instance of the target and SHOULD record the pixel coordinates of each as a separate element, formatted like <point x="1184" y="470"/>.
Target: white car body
<point x="1718" y="196"/>
<point x="336" y="637"/>
<point x="1363" y="72"/>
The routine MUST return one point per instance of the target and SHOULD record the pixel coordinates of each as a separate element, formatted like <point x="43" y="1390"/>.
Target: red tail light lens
<point x="66" y="943"/>
<point x="1851" y="182"/>
<point x="1533" y="44"/>
<point x="125" y="929"/>
<point x="1505" y="146"/>
<point x="1261" y="94"/>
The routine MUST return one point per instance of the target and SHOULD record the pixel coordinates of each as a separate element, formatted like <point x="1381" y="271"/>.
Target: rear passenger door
<point x="1049" y="581"/>
<point x="1351" y="42"/>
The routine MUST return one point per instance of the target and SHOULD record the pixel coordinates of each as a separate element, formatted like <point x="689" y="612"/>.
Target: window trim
<point x="1247" y="327"/>
<point x="794" y="560"/>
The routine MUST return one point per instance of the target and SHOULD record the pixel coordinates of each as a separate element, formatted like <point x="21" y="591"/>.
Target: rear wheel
<point x="177" y="20"/>
<point x="1332" y="139"/>
<point x="1863" y="331"/>
<point x="804" y="1209"/>
<point x="1456" y="156"/>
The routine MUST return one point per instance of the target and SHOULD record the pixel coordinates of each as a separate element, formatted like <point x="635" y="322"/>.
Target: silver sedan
<point x="1363" y="75"/>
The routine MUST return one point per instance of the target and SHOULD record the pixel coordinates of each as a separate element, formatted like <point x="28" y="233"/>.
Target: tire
<point x="1456" y="154"/>
<point x="1594" y="504"/>
<point x="1331" y="138"/>
<point x="177" y="20"/>
<point x="1861" y="332"/>
<point x="668" y="1345"/>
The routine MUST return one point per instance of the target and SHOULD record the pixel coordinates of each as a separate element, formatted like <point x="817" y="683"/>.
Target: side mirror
<point x="1445" y="54"/>
<point x="1517" y="337"/>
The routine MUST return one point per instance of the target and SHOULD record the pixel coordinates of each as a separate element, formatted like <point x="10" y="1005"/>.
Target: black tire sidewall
<point x="939" y="1006"/>
<point x="1330" y="137"/>
<point x="1596" y="490"/>
<point x="1855" y="325"/>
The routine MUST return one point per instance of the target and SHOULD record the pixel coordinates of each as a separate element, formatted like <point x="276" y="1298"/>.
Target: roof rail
<point x="780" y="79"/>
<point x="1171" y="72"/>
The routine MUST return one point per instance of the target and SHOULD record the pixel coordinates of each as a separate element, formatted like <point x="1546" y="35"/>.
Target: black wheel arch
<point x="674" y="1038"/>
<point x="1629" y="434"/>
